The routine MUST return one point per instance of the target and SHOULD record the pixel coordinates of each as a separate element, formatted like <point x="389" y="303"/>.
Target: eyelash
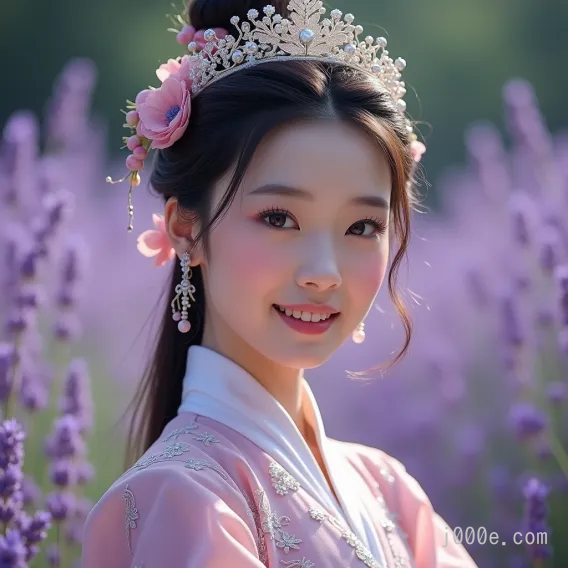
<point x="379" y="225"/>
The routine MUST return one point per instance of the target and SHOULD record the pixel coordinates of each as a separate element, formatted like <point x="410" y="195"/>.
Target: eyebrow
<point x="278" y="189"/>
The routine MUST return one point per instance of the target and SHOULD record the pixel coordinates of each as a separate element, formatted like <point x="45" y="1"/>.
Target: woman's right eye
<point x="279" y="219"/>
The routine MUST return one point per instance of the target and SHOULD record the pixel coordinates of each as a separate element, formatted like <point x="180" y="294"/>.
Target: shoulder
<point x="423" y="528"/>
<point x="387" y="477"/>
<point x="175" y="488"/>
<point x="188" y="456"/>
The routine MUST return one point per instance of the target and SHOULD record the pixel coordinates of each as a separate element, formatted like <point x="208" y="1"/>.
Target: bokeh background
<point x="477" y="411"/>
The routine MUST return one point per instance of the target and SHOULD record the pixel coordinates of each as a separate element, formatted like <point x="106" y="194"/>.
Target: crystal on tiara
<point x="305" y="34"/>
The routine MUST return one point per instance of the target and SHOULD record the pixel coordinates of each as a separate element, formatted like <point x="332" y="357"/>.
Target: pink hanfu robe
<point x="231" y="483"/>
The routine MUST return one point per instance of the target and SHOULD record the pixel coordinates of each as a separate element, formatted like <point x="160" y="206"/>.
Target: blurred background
<point x="480" y="401"/>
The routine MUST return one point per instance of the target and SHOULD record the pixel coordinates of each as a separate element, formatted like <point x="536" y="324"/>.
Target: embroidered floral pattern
<point x="286" y="541"/>
<point x="386" y="474"/>
<point x="282" y="481"/>
<point x="206" y="438"/>
<point x="273" y="524"/>
<point x="392" y="529"/>
<point x="131" y="514"/>
<point x="171" y="451"/>
<point x="199" y="465"/>
<point x="317" y="515"/>
<point x="255" y="515"/>
<point x="350" y="538"/>
<point x="176" y="449"/>
<point x="175" y="434"/>
<point x="270" y="521"/>
<point x="304" y="563"/>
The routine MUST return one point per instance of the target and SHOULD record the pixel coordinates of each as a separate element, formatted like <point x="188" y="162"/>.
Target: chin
<point x="305" y="358"/>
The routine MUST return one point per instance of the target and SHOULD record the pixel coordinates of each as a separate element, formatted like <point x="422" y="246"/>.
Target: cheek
<point x="366" y="276"/>
<point x="245" y="258"/>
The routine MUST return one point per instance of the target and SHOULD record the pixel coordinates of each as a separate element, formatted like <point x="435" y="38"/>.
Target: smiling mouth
<point x="304" y="316"/>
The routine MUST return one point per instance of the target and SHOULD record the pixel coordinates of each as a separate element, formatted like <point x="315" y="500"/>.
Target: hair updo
<point x="229" y="119"/>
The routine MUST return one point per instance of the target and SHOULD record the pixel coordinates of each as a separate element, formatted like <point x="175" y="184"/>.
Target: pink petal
<point x="141" y="97"/>
<point x="159" y="222"/>
<point x="145" y="244"/>
<point x="167" y="69"/>
<point x="152" y="239"/>
<point x="165" y="256"/>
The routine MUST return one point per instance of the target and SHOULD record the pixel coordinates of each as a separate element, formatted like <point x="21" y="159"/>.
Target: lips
<point x="307" y="327"/>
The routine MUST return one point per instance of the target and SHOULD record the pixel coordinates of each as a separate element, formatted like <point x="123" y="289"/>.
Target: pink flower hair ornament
<point x="159" y="116"/>
<point x="154" y="243"/>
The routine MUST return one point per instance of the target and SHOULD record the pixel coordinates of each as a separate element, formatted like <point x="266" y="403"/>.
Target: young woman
<point x="286" y="165"/>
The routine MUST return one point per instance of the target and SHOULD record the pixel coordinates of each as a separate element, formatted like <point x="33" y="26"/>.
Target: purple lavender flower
<point x="30" y="265"/>
<point x="68" y="114"/>
<point x="57" y="208"/>
<point x="557" y="392"/>
<point x="562" y="283"/>
<point x="536" y="513"/>
<point x="33" y="393"/>
<point x="68" y="327"/>
<point x="511" y="325"/>
<point x="11" y="507"/>
<point x="549" y="250"/>
<point x="13" y="551"/>
<point x="73" y="262"/>
<point x="63" y="473"/>
<point x="34" y="531"/>
<point x="29" y="297"/>
<point x="10" y="480"/>
<point x="76" y="399"/>
<point x="7" y="360"/>
<point x="85" y="472"/>
<point x="61" y="505"/>
<point x="12" y="438"/>
<point x="527" y="421"/>
<point x="66" y="441"/>
<point x="522" y="208"/>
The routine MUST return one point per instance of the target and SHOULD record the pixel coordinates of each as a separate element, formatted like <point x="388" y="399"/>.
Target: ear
<point x="182" y="231"/>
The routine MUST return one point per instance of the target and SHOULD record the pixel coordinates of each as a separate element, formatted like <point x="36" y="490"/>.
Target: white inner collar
<point x="216" y="387"/>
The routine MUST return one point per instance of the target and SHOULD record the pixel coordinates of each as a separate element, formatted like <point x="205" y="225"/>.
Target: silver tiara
<point x="307" y="35"/>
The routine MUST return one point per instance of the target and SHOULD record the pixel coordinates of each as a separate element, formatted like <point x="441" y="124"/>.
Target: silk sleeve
<point x="166" y="517"/>
<point x="429" y="537"/>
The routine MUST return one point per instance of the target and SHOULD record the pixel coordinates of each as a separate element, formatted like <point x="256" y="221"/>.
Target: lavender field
<point x="477" y="411"/>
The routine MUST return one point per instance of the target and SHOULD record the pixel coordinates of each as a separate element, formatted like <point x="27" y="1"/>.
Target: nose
<point x="320" y="270"/>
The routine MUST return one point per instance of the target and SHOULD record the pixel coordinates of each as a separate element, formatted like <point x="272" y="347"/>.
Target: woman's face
<point x="307" y="231"/>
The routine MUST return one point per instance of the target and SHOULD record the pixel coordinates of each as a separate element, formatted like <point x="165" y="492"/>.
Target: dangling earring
<point x="359" y="333"/>
<point x="184" y="289"/>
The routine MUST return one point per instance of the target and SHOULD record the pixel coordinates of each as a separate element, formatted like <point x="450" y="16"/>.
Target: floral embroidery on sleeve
<point x="206" y="438"/>
<point x="362" y="552"/>
<point x="198" y="465"/>
<point x="131" y="514"/>
<point x="282" y="481"/>
<point x="304" y="563"/>
<point x="273" y="525"/>
<point x="175" y="434"/>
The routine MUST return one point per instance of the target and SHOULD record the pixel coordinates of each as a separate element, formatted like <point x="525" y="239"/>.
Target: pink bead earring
<point x="359" y="334"/>
<point x="186" y="290"/>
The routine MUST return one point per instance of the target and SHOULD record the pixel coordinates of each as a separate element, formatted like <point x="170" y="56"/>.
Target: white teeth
<point x="304" y="316"/>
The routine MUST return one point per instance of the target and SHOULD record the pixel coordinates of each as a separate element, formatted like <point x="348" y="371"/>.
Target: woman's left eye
<point x="368" y="227"/>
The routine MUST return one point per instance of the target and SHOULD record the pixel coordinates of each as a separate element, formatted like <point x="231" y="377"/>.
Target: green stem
<point x="559" y="452"/>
